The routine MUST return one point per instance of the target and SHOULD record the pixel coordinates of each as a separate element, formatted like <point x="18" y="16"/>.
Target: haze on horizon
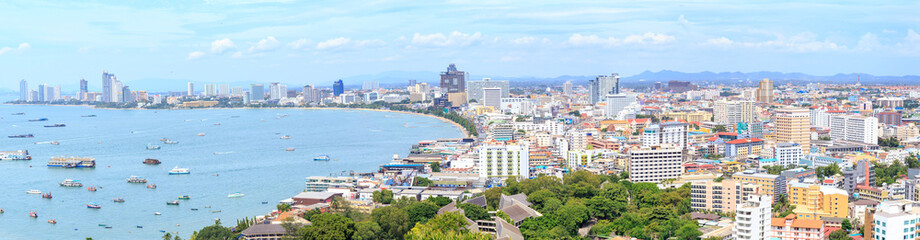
<point x="304" y="42"/>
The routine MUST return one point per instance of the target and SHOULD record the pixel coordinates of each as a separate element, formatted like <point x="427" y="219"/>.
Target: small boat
<point x="91" y="115"/>
<point x="38" y="120"/>
<point x="139" y="226"/>
<point x="118" y="200"/>
<point x="33" y="214"/>
<point x="19" y="113"/>
<point x="153" y="147"/>
<point x="286" y="137"/>
<point x="174" y="202"/>
<point x="52" y="221"/>
<point x="194" y="209"/>
<point x="93" y="205"/>
<point x="70" y="183"/>
<point x="91" y="189"/>
<point x="215" y="211"/>
<point x="108" y="227"/>
<point x="102" y="224"/>
<point x="178" y="171"/>
<point x="156" y="213"/>
<point x="217" y="124"/>
<point x="289" y="149"/>
<point x="236" y="195"/>
<point x="322" y="158"/>
<point x="171" y="142"/>
<point x="22" y="136"/>
<point x="264" y="202"/>
<point x="184" y="197"/>
<point x="200" y="134"/>
<point x="55" y="143"/>
<point x="136" y="179"/>
<point x="56" y="125"/>
<point x="164" y="139"/>
<point x="33" y="191"/>
<point x="152" y="186"/>
<point x="1" y="210"/>
<point x="208" y="206"/>
<point x="151" y="161"/>
<point x="46" y="195"/>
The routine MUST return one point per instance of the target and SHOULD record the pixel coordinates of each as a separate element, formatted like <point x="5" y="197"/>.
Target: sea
<point x="241" y="151"/>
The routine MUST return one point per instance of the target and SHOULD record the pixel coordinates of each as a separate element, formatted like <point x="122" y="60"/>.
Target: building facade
<point x="655" y="163"/>
<point x="504" y="159"/>
<point x="854" y="128"/>
<point x="792" y="126"/>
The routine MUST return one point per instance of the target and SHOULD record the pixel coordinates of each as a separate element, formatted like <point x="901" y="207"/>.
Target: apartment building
<point x="722" y="196"/>
<point x="752" y="219"/>
<point x="790" y="228"/>
<point x="792" y="125"/>
<point x="655" y="163"/>
<point x="817" y="202"/>
<point x="768" y="184"/>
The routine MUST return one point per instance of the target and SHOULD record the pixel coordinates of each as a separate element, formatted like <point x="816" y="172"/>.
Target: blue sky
<point x="316" y="42"/>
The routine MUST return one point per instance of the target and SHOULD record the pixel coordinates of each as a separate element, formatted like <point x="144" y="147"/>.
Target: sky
<point x="317" y="42"/>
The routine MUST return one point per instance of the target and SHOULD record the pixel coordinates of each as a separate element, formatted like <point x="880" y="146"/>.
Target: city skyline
<point x="226" y="41"/>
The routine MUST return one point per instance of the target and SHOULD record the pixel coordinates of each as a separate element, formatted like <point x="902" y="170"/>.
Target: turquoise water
<point x="245" y="153"/>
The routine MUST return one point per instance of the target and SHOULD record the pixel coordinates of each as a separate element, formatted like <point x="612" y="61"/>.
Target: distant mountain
<point x="664" y="76"/>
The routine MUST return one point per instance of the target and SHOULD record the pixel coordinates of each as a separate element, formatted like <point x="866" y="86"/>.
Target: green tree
<point x="719" y="128"/>
<point x="167" y="236"/>
<point x="846" y="225"/>
<point x="367" y="230"/>
<point x="440" y="201"/>
<point x="328" y="227"/>
<point x="571" y="215"/>
<point x="420" y="181"/>
<point x="839" y="234"/>
<point x="283" y="207"/>
<point x="393" y="222"/>
<point x="473" y="211"/>
<point x="435" y="166"/>
<point x="383" y="196"/>
<point x="688" y="231"/>
<point x="604" y="208"/>
<point x="445" y="226"/>
<point x="420" y="212"/>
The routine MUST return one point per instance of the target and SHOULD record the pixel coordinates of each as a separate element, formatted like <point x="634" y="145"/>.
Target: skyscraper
<point x="338" y="88"/>
<point x="84" y="88"/>
<point x="793" y="126"/>
<point x="41" y="92"/>
<point x="475" y="91"/>
<point x="223" y="90"/>
<point x="108" y="90"/>
<point x="23" y="91"/>
<point x="257" y="92"/>
<point x="126" y="96"/>
<point x="765" y="91"/>
<point x="56" y="92"/>
<point x="191" y="89"/>
<point x="733" y="112"/>
<point x="276" y="91"/>
<point x="210" y="89"/>
<point x="369" y="85"/>
<point x="567" y="88"/>
<point x="117" y="94"/>
<point x="307" y="93"/>
<point x="236" y="91"/>
<point x="603" y="85"/>
<point x="452" y="80"/>
<point x="492" y="97"/>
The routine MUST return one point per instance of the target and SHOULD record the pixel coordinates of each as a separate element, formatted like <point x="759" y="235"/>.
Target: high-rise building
<point x="41" y="92"/>
<point x="24" y="91"/>
<point x="603" y="85"/>
<point x="890" y="118"/>
<point x="617" y="102"/>
<point x="276" y="91"/>
<point x="236" y="91"/>
<point x="223" y="90"/>
<point x="768" y="184"/>
<point x="370" y="85"/>
<point x="108" y="89"/>
<point x="126" y="95"/>
<point x="815" y="202"/>
<point x="655" y="163"/>
<point x="792" y="126"/>
<point x="412" y="82"/>
<point x="788" y="154"/>
<point x="307" y="93"/>
<point x="475" y="90"/>
<point x="765" y="91"/>
<point x="492" y="97"/>
<point x="854" y="128"/>
<point x="504" y="159"/>
<point x="733" y="112"/>
<point x="191" y="89"/>
<point x="56" y="92"/>
<point x="84" y="88"/>
<point x="898" y="216"/>
<point x="752" y="218"/>
<point x="567" y="88"/>
<point x="117" y="94"/>
<point x="210" y="90"/>
<point x="674" y="133"/>
<point x="452" y="80"/>
<point x="257" y="92"/>
<point x="721" y="196"/>
<point x="338" y="87"/>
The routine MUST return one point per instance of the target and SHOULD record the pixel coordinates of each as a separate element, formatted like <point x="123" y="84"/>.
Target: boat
<point x="194" y="209"/>
<point x="91" y="189"/>
<point x="55" y="143"/>
<point x="91" y="115"/>
<point x="102" y="224"/>
<point x="33" y="214"/>
<point x="217" y="124"/>
<point x="33" y="191"/>
<point x="152" y="186"/>
<point x="52" y="221"/>
<point x="153" y="147"/>
<point x="200" y="134"/>
<point x="22" y="136"/>
<point x="286" y="137"/>
<point x="118" y="200"/>
<point x="56" y="125"/>
<point x="108" y="227"/>
<point x="151" y="161"/>
<point x="136" y="179"/>
<point x="264" y="202"/>
<point x="179" y="171"/>
<point x="156" y="213"/>
<point x="289" y="149"/>
<point x="1" y="210"/>
<point x="174" y="202"/>
<point x="171" y="142"/>
<point x="71" y="183"/>
<point x="47" y="195"/>
<point x="322" y="158"/>
<point x="15" y="155"/>
<point x="234" y="116"/>
<point x="93" y="205"/>
<point x="72" y="162"/>
<point x="236" y="195"/>
<point x="38" y="120"/>
<point x="139" y="226"/>
<point x="215" y="211"/>
<point x="184" y="197"/>
<point x="19" y="113"/>
<point x="164" y="139"/>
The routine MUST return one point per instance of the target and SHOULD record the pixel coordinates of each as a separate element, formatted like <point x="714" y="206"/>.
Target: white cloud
<point x="221" y="45"/>
<point x="578" y="40"/>
<point x="644" y="39"/>
<point x="454" y="39"/>
<point x="868" y="42"/>
<point x="653" y="38"/>
<point x="722" y="41"/>
<point x="911" y="44"/>
<point x="300" y="43"/>
<point x="343" y="42"/>
<point x="266" y="44"/>
<point x="683" y="21"/>
<point x="195" y="55"/>
<point x="529" y="40"/>
<point x="22" y="48"/>
<point x="803" y="42"/>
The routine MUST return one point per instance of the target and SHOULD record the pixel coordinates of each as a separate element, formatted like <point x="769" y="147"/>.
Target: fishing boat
<point x="91" y="189"/>
<point x="184" y="197"/>
<point x="15" y="155"/>
<point x="236" y="195"/>
<point x="102" y="224"/>
<point x="38" y="120"/>
<point x="22" y="136"/>
<point x="52" y="221"/>
<point x="153" y="147"/>
<point x="56" y="125"/>
<point x="289" y="149"/>
<point x="33" y="191"/>
<point x="108" y="227"/>
<point x="171" y="142"/>
<point x="179" y="171"/>
<point x="136" y="179"/>
<point x="71" y="183"/>
<point x="200" y="134"/>
<point x="157" y="213"/>
<point x="164" y="139"/>
<point x="139" y="226"/>
<point x="46" y="195"/>
<point x="151" y="161"/>
<point x="55" y="143"/>
<point x="152" y="186"/>
<point x="286" y="137"/>
<point x="91" y="115"/>
<point x="33" y="214"/>
<point x="93" y="205"/>
<point x="118" y="200"/>
<point x="322" y="158"/>
<point x="194" y="209"/>
<point x="174" y="202"/>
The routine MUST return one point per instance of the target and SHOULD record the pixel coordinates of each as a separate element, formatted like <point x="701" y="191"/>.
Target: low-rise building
<point x="790" y="228"/>
<point x="769" y="184"/>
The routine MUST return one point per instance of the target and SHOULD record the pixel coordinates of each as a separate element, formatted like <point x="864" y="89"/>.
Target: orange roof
<point x="836" y="111"/>
<point x="727" y="134"/>
<point x="713" y="139"/>
<point x="638" y="120"/>
<point x="744" y="140"/>
<point x="799" y="223"/>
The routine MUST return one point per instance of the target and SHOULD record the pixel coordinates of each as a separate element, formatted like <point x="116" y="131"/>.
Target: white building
<point x="655" y="163"/>
<point x="517" y="106"/>
<point x="492" y="97"/>
<point x="276" y="91"/>
<point x="788" y="154"/>
<point x="854" y="128"/>
<point x="210" y="89"/>
<point x="752" y="218"/>
<point x="223" y="90"/>
<point x="236" y="91"/>
<point x="665" y="133"/>
<point x="894" y="219"/>
<point x="502" y="160"/>
<point x="581" y="158"/>
<point x="617" y="102"/>
<point x="191" y="89"/>
<point x="567" y="88"/>
<point x="602" y="86"/>
<point x="552" y="127"/>
<point x="476" y="89"/>
<point x="733" y="112"/>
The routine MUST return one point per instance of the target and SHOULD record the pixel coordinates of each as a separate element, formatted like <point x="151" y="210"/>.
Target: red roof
<point x="828" y="181"/>
<point x="744" y="140"/>
<point x="727" y="134"/>
<point x="713" y="139"/>
<point x="836" y="111"/>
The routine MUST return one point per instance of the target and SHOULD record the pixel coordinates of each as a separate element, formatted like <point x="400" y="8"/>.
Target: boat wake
<point x="222" y="153"/>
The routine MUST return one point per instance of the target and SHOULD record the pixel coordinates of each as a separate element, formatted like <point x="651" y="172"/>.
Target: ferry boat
<point x="33" y="214"/>
<point x="118" y="200"/>
<point x="136" y="179"/>
<point x="22" y="136"/>
<point x="286" y="137"/>
<point x="171" y="142"/>
<point x="174" y="202"/>
<point x="34" y="191"/>
<point x="71" y="183"/>
<point x="178" y="171"/>
<point x="56" y="125"/>
<point x="46" y="195"/>
<point x="38" y="120"/>
<point x="322" y="158"/>
<point x="151" y="161"/>
<point x="184" y="197"/>
<point x="93" y="205"/>
<point x="236" y="195"/>
<point x="72" y="162"/>
<point x="91" y="189"/>
<point x="152" y="186"/>
<point x="153" y="147"/>
<point x="15" y="155"/>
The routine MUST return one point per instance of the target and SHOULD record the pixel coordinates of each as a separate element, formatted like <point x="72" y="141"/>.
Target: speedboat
<point x="70" y="183"/>
<point x="136" y="179"/>
<point x="152" y="186"/>
<point x="289" y="149"/>
<point x="156" y="213"/>
<point x="93" y="205"/>
<point x="153" y="147"/>
<point x="177" y="171"/>
<point x="236" y="195"/>
<point x="34" y="191"/>
<point x="286" y="137"/>
<point x="174" y="202"/>
<point x="184" y="197"/>
<point x="171" y="142"/>
<point x="55" y="143"/>
<point x="38" y="120"/>
<point x="118" y="200"/>
<point x="91" y="189"/>
<point x="33" y="214"/>
<point x="322" y="158"/>
<point x="200" y="134"/>
<point x="46" y="195"/>
<point x="52" y="221"/>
